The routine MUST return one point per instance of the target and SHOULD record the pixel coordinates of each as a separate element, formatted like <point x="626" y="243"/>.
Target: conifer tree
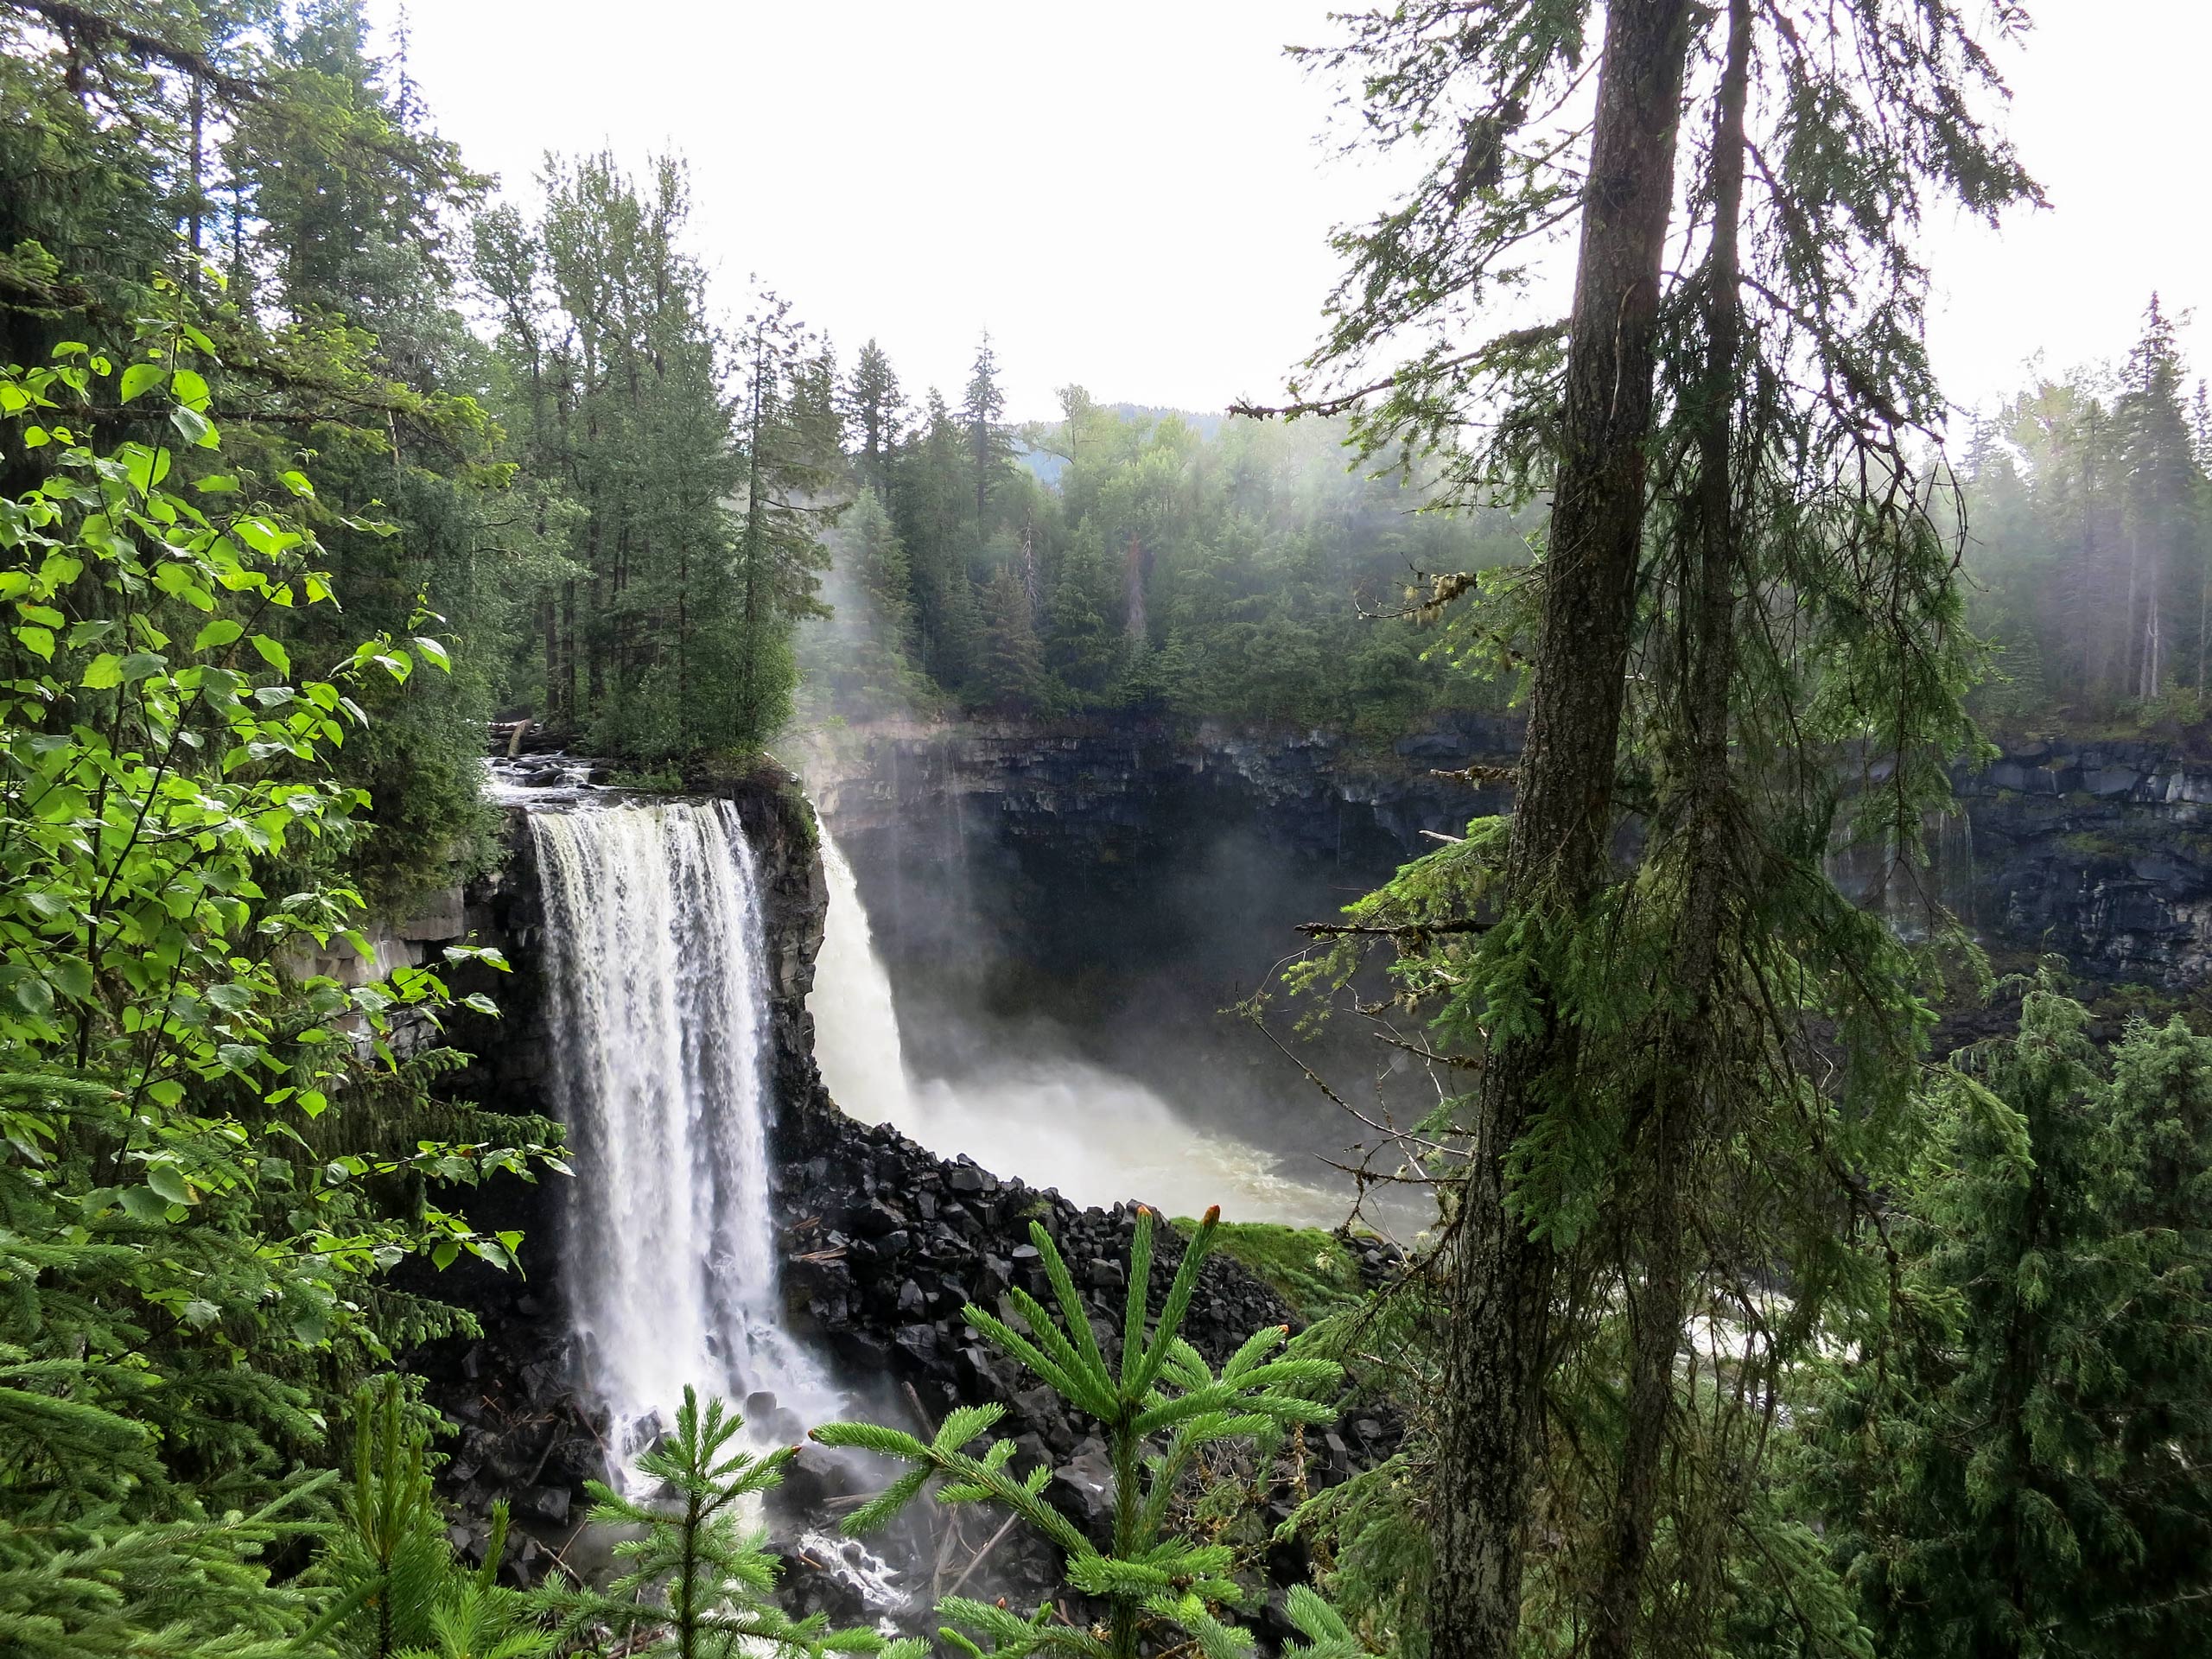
<point x="1160" y="1406"/>
<point x="1008" y="678"/>
<point x="989" y="447"/>
<point x="877" y="409"/>
<point x="787" y="436"/>
<point x="697" y="1583"/>
<point x="1638" y="1031"/>
<point x="2021" y="1467"/>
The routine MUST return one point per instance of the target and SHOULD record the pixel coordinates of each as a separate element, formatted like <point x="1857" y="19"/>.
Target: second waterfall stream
<point x="1049" y="1117"/>
<point x="658" y="1002"/>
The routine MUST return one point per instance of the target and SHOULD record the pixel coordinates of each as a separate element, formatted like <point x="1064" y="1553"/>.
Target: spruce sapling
<point x="1158" y="1407"/>
<point x="699" y="1583"/>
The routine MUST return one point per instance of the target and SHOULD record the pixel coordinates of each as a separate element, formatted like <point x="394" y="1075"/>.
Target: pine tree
<point x="928" y="503"/>
<point x="1639" y="1122"/>
<point x="1013" y="667"/>
<point x="877" y="409"/>
<point x="2160" y="501"/>
<point x="989" y="447"/>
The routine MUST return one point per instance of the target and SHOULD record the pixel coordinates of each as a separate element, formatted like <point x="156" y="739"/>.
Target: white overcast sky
<point x="1130" y="196"/>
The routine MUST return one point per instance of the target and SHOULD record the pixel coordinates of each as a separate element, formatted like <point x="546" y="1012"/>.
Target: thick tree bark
<point x="1498" y="1280"/>
<point x="1684" y="1058"/>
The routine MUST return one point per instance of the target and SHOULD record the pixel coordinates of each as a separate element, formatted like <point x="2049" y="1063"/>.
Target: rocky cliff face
<point x="1116" y="784"/>
<point x="2100" y="852"/>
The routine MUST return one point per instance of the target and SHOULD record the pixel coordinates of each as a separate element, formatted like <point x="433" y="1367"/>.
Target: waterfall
<point x="856" y="1028"/>
<point x="659" y="1004"/>
<point x="1051" y="1118"/>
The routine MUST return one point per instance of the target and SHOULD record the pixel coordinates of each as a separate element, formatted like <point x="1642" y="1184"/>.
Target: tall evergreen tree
<point x="1639" y="1032"/>
<point x="788" y="439"/>
<point x="877" y="410"/>
<point x="983" y="414"/>
<point x="2022" y="1468"/>
<point x="1008" y="677"/>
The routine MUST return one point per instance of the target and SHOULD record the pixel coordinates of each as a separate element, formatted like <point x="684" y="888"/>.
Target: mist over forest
<point x="1545" y="992"/>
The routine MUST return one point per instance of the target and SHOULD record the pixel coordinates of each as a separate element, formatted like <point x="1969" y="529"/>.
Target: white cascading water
<point x="1059" y="1121"/>
<point x="659" y="1000"/>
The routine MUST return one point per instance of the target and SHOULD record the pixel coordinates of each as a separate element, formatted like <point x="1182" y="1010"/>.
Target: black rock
<point x="1082" y="1489"/>
<point x="876" y="1218"/>
<point x="546" y="1503"/>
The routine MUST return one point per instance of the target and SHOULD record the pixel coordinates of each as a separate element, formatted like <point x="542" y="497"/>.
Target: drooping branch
<point x="96" y="29"/>
<point x="1408" y="376"/>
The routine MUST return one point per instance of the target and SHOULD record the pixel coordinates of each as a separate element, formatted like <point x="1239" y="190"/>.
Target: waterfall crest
<point x="658" y="999"/>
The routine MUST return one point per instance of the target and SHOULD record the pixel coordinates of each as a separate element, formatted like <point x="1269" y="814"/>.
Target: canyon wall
<point x="2098" y="851"/>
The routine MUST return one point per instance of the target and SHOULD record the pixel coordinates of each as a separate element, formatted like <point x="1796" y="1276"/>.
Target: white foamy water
<point x="1096" y="1135"/>
<point x="659" y="1005"/>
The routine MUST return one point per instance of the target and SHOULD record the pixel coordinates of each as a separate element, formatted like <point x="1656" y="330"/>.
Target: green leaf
<point x="103" y="671"/>
<point x="297" y="483"/>
<point x="273" y="654"/>
<point x="188" y="388"/>
<point x="220" y="632"/>
<point x="434" y="651"/>
<point x="168" y="1180"/>
<point x="37" y="640"/>
<point x="194" y="428"/>
<point x="264" y="537"/>
<point x="144" y="1205"/>
<point x="139" y="379"/>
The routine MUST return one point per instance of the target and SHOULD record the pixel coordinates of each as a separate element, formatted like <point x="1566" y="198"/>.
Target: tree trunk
<point x="1684" y="1054"/>
<point x="196" y="207"/>
<point x="1499" y="1279"/>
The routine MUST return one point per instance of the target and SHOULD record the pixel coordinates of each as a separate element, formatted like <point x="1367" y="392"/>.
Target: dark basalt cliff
<point x="2097" y="851"/>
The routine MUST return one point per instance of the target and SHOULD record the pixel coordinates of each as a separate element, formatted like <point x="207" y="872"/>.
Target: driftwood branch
<point x="989" y="1544"/>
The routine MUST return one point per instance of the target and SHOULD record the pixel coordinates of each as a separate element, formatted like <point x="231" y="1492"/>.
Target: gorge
<point x="701" y="977"/>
